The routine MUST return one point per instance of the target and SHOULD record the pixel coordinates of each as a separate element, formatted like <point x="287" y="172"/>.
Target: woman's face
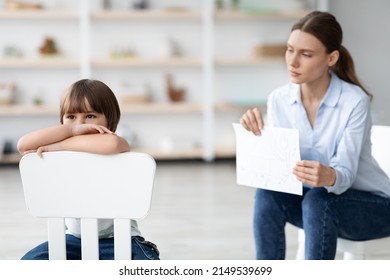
<point x="88" y="117"/>
<point x="306" y="58"/>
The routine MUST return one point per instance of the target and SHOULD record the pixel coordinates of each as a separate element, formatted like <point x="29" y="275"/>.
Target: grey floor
<point x="198" y="213"/>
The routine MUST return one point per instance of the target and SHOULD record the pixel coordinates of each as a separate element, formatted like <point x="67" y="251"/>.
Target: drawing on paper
<point x="267" y="161"/>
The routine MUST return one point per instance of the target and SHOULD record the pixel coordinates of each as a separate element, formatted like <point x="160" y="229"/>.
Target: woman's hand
<point x="314" y="173"/>
<point x="82" y="129"/>
<point x="252" y="120"/>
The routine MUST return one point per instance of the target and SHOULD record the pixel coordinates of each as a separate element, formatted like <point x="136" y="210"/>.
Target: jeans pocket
<point x="148" y="249"/>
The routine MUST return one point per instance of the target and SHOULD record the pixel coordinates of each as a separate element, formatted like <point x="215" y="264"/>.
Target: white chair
<point x="90" y="187"/>
<point x="359" y="250"/>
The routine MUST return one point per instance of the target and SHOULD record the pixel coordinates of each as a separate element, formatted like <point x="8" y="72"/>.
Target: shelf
<point x="225" y="152"/>
<point x="10" y="158"/>
<point x="61" y="62"/>
<point x="147" y="15"/>
<point x="141" y="108"/>
<point x="231" y="107"/>
<point x="27" y="110"/>
<point x="146" y="108"/>
<point x="39" y="15"/>
<point x="44" y="62"/>
<point x="150" y="108"/>
<point x="196" y="153"/>
<point x="131" y="62"/>
<point x="248" y="61"/>
<point x="182" y="61"/>
<point x="146" y="62"/>
<point x="241" y="15"/>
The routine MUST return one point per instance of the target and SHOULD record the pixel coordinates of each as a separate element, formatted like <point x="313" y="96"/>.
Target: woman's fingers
<point x="314" y="173"/>
<point x="252" y="120"/>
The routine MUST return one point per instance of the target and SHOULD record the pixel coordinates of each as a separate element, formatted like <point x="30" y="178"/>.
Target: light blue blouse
<point x="340" y="137"/>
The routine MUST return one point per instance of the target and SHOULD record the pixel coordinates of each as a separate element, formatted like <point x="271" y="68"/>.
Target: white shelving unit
<point x="214" y="78"/>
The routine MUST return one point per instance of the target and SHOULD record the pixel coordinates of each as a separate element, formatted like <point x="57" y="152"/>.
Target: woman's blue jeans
<point x="141" y="249"/>
<point x="354" y="215"/>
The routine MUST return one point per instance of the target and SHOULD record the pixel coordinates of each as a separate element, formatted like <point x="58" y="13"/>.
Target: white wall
<point x="366" y="26"/>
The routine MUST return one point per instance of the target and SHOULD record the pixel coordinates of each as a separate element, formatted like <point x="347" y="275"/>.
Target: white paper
<point x="267" y="161"/>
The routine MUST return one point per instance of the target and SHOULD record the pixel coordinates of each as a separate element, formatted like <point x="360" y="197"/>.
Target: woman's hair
<point x="326" y="28"/>
<point x="99" y="96"/>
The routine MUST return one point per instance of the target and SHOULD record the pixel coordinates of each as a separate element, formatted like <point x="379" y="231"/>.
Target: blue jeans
<point x="141" y="249"/>
<point x="353" y="215"/>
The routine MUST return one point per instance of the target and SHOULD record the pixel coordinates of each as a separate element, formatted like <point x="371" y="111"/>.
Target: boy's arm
<point x="45" y="136"/>
<point x="52" y="137"/>
<point x="90" y="143"/>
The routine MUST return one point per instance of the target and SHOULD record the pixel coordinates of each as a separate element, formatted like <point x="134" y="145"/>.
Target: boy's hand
<point x="47" y="148"/>
<point x="81" y="129"/>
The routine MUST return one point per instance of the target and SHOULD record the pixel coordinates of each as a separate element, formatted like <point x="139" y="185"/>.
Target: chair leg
<point x="301" y="245"/>
<point x="351" y="256"/>
<point x="301" y="252"/>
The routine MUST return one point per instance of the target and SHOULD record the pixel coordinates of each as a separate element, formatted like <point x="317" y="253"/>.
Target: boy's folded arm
<point x="42" y="137"/>
<point x="96" y="143"/>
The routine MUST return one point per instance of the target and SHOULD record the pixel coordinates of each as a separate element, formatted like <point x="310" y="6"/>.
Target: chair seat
<point x="377" y="248"/>
<point x="360" y="250"/>
<point x="353" y="250"/>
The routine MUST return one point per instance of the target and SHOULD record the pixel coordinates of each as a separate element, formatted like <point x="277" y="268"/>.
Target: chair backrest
<point x="90" y="187"/>
<point x="380" y="138"/>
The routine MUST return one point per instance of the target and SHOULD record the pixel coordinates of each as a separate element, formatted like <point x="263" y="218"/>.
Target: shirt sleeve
<point x="346" y="159"/>
<point x="269" y="115"/>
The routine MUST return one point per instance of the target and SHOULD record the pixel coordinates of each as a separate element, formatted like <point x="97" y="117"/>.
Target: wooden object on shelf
<point x="265" y="50"/>
<point x="175" y="94"/>
<point x="49" y="47"/>
<point x="134" y="99"/>
<point x="18" y="5"/>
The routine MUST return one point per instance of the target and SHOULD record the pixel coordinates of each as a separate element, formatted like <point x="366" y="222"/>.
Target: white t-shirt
<point x="105" y="228"/>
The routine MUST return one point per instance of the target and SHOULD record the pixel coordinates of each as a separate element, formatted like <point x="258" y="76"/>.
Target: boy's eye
<point x="91" y="116"/>
<point x="71" y="117"/>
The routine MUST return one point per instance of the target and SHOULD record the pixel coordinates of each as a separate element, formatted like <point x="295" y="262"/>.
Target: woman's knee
<point x="317" y="203"/>
<point x="316" y="197"/>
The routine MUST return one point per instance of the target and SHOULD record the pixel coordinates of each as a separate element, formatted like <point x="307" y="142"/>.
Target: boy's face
<point x="88" y="117"/>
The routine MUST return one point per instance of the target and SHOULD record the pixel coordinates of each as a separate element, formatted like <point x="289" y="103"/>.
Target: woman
<point x="345" y="194"/>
